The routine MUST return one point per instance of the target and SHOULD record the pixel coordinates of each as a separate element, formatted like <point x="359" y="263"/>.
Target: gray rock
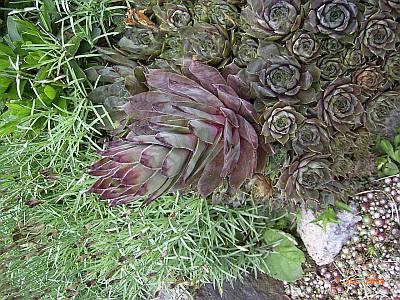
<point x="323" y="245"/>
<point x="262" y="288"/>
<point x="177" y="293"/>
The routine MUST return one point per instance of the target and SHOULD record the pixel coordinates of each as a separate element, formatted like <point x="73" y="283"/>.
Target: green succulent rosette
<point x="272" y="19"/>
<point x="311" y="136"/>
<point x="141" y="43"/>
<point x="331" y="46"/>
<point x="392" y="66"/>
<point x="172" y="16"/>
<point x="331" y="67"/>
<point x="280" y="123"/>
<point x="217" y="12"/>
<point x="206" y="43"/>
<point x="309" y="179"/>
<point x="380" y="110"/>
<point x="245" y="50"/>
<point x="304" y="45"/>
<point x="340" y="105"/>
<point x="336" y="18"/>
<point x="120" y="82"/>
<point x="353" y="58"/>
<point x="351" y="156"/>
<point x="379" y="33"/>
<point x="275" y="75"/>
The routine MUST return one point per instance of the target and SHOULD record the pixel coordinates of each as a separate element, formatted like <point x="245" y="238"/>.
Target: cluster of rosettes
<point x="322" y="75"/>
<point x="325" y="76"/>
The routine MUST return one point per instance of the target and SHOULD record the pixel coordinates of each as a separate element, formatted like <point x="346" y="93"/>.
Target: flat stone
<point x="323" y="245"/>
<point x="262" y="288"/>
<point x="177" y="293"/>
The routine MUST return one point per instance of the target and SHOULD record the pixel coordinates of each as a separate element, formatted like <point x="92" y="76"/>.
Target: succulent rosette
<point x="120" y="82"/>
<point x="245" y="50"/>
<point x="272" y="19"/>
<point x="206" y="43"/>
<point x="370" y="79"/>
<point x="390" y="6"/>
<point x="201" y="133"/>
<point x="379" y="33"/>
<point x="217" y="12"/>
<point x="277" y="76"/>
<point x="304" y="45"/>
<point x="331" y="67"/>
<point x="336" y="18"/>
<point x="280" y="123"/>
<point x="145" y="4"/>
<point x="331" y="46"/>
<point x="353" y="58"/>
<point x="237" y="2"/>
<point x="340" y="105"/>
<point x="307" y="178"/>
<point x="380" y="110"/>
<point x="141" y="43"/>
<point x="311" y="136"/>
<point x="173" y="16"/>
<point x="392" y="66"/>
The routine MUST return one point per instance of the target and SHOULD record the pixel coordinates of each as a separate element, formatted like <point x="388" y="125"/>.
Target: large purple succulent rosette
<point x="201" y="132"/>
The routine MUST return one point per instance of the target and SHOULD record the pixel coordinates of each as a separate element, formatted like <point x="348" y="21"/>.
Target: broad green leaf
<point x="387" y="147"/>
<point x="25" y="26"/>
<point x="4" y="84"/>
<point x="397" y="141"/>
<point x="396" y="156"/>
<point x="38" y="125"/>
<point x="343" y="206"/>
<point x="6" y="51"/>
<point x="79" y="73"/>
<point x="43" y="72"/>
<point x="284" y="262"/>
<point x="17" y="109"/>
<point x="381" y="162"/>
<point x="4" y="63"/>
<point x="12" y="29"/>
<point x="50" y="92"/>
<point x="8" y="127"/>
<point x="12" y="92"/>
<point x="74" y="43"/>
<point x="390" y="169"/>
<point x="61" y="104"/>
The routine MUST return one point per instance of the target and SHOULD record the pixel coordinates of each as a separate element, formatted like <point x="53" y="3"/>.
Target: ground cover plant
<point x="203" y="126"/>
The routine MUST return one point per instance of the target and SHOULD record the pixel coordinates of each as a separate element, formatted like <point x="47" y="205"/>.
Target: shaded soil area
<point x="260" y="288"/>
